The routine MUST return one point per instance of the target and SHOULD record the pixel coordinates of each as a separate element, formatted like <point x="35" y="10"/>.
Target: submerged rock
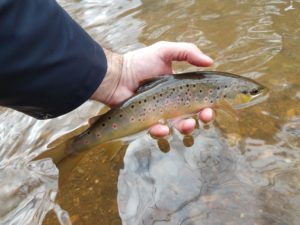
<point x="201" y="184"/>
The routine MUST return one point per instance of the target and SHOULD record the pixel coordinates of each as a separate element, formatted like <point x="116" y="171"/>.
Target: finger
<point x="186" y="126"/>
<point x="206" y="115"/>
<point x="182" y="51"/>
<point x="159" y="130"/>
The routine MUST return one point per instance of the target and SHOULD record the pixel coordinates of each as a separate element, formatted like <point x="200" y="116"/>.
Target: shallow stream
<point x="244" y="171"/>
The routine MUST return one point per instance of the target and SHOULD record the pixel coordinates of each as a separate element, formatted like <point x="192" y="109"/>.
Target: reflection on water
<point x="28" y="189"/>
<point x="27" y="192"/>
<point x="244" y="171"/>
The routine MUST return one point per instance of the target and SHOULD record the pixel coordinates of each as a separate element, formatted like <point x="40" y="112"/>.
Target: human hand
<point x="126" y="72"/>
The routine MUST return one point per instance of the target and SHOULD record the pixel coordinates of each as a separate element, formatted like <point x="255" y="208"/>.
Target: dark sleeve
<point x="48" y="64"/>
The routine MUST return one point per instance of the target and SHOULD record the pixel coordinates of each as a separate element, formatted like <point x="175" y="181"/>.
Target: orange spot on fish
<point x="114" y="126"/>
<point x="132" y="119"/>
<point x="98" y="134"/>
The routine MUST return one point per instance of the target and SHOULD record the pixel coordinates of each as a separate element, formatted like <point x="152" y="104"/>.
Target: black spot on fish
<point x="200" y="91"/>
<point x="154" y="98"/>
<point x="244" y="92"/>
<point x="254" y="92"/>
<point x="211" y="101"/>
<point x="160" y="95"/>
<point x="103" y="124"/>
<point x="187" y="85"/>
<point x="132" y="106"/>
<point x="226" y="86"/>
<point x="121" y="115"/>
<point x="194" y="85"/>
<point x="180" y="87"/>
<point x="218" y="88"/>
<point x="140" y="102"/>
<point x="109" y="117"/>
<point x="145" y="100"/>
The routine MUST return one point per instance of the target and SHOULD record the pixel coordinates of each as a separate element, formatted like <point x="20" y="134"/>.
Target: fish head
<point x="242" y="93"/>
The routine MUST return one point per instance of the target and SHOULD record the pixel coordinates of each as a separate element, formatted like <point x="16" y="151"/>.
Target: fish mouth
<point x="260" y="97"/>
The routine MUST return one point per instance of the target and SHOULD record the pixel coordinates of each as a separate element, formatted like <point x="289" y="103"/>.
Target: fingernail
<point x="165" y="129"/>
<point x="206" y="115"/>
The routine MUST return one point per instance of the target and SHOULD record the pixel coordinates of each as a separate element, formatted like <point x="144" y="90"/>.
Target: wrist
<point x="106" y="90"/>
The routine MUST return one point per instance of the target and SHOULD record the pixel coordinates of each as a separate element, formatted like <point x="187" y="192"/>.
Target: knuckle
<point x="192" y="45"/>
<point x="161" y="43"/>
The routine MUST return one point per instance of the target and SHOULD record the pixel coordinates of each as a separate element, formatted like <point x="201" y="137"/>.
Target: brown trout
<point x="165" y="98"/>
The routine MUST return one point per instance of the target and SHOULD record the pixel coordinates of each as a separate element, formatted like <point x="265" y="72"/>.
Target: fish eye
<point x="254" y="92"/>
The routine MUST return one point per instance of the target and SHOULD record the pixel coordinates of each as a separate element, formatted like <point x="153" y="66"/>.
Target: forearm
<point x="49" y="64"/>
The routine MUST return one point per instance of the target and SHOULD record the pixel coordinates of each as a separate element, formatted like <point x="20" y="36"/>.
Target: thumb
<point x="182" y="51"/>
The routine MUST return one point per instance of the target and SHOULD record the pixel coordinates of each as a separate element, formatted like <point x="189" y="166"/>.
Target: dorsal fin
<point x="150" y="83"/>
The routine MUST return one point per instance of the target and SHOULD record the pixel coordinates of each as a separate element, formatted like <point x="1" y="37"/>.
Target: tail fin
<point x="57" y="153"/>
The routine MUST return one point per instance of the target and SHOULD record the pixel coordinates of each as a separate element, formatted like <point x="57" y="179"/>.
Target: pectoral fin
<point x="225" y="107"/>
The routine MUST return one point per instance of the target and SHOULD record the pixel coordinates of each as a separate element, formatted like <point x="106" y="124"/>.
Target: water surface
<point x="244" y="171"/>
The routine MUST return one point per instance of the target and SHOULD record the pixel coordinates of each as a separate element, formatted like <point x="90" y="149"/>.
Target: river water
<point x="233" y="171"/>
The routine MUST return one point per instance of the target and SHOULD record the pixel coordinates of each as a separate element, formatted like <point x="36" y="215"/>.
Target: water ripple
<point x="27" y="192"/>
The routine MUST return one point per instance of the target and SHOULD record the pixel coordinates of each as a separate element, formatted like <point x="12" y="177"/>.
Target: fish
<point x="164" y="98"/>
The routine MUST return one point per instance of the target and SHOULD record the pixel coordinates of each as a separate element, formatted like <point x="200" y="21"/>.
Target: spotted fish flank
<point x="169" y="97"/>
